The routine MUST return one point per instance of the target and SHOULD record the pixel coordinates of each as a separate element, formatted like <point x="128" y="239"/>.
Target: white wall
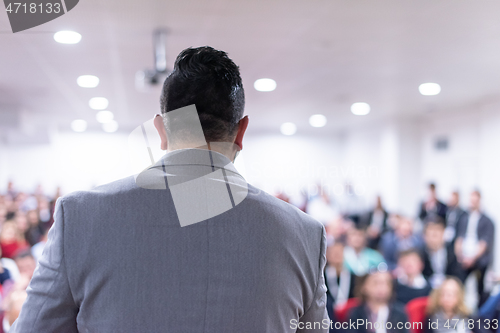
<point x="74" y="161"/>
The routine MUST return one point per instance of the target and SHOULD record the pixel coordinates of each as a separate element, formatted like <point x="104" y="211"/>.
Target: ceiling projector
<point x="151" y="77"/>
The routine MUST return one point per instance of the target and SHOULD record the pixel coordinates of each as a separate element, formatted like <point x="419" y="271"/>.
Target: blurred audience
<point x="453" y="215"/>
<point x="376" y="222"/>
<point x="379" y="254"/>
<point x="14" y="302"/>
<point x="339" y="280"/>
<point x="474" y="244"/>
<point x="24" y="223"/>
<point x="446" y="310"/>
<point x="439" y="256"/>
<point x="359" y="259"/>
<point x="489" y="313"/>
<point x="410" y="283"/>
<point x="377" y="307"/>
<point x="321" y="207"/>
<point x="26" y="263"/>
<point x="11" y="239"/>
<point x="432" y="205"/>
<point x="402" y="238"/>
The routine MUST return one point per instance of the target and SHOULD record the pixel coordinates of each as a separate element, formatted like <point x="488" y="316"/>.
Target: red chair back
<point x="416" y="313"/>
<point x="342" y="311"/>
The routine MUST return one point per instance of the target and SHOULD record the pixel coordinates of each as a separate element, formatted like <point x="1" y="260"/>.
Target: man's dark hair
<point x="209" y="79"/>
<point x="435" y="219"/>
<point x="432" y="186"/>
<point x="410" y="252"/>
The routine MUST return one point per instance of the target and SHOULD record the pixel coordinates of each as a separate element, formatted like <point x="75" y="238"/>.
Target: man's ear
<point x="242" y="127"/>
<point x="160" y="127"/>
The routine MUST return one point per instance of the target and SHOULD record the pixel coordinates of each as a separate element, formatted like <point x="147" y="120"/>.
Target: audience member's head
<point x="375" y="288"/>
<point x="26" y="263"/>
<point x="475" y="200"/>
<point x="404" y="228"/>
<point x="454" y="199"/>
<point x="9" y="233"/>
<point x="410" y="263"/>
<point x="21" y="221"/>
<point x="209" y="79"/>
<point x="432" y="192"/>
<point x="335" y="255"/>
<point x="393" y="220"/>
<point x="356" y="238"/>
<point x="448" y="298"/>
<point x="337" y="229"/>
<point x="33" y="218"/>
<point x="434" y="235"/>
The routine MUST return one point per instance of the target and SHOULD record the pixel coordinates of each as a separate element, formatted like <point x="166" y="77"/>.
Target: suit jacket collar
<point x="195" y="156"/>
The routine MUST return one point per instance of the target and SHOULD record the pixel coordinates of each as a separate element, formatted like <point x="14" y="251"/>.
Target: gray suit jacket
<point x="117" y="260"/>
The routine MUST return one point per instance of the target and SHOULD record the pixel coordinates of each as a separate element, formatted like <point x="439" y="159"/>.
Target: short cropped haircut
<point x="209" y="79"/>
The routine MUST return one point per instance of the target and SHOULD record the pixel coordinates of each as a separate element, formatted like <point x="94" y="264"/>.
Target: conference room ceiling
<point x="324" y="56"/>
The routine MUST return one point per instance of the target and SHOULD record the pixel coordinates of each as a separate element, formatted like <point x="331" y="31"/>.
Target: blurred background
<point x="361" y="99"/>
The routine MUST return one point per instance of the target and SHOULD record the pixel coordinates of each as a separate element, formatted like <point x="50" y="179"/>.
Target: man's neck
<point x="225" y="148"/>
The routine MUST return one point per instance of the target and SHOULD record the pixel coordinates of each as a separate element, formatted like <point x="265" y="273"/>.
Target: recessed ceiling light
<point x="360" y="109"/>
<point x="79" y="125"/>
<point x="317" y="120"/>
<point x="110" y="127"/>
<point x="288" y="128"/>
<point x="264" y="85"/>
<point x="429" y="89"/>
<point x="98" y="103"/>
<point x="87" y="81"/>
<point x="104" y="116"/>
<point x="67" y="37"/>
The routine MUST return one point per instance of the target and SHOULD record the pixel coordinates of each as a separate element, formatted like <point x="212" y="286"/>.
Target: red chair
<point x="416" y="313"/>
<point x="342" y="311"/>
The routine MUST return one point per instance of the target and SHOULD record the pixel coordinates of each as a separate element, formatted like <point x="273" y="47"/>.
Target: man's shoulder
<point x="123" y="185"/>
<point x="486" y="219"/>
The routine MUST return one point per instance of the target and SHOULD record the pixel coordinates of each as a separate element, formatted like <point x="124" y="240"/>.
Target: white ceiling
<point x="324" y="55"/>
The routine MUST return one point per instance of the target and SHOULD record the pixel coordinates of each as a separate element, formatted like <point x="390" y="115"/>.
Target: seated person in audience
<point x="377" y="309"/>
<point x="399" y="240"/>
<point x="21" y="222"/>
<point x="446" y="308"/>
<point x="432" y="205"/>
<point x="489" y="313"/>
<point x="11" y="240"/>
<point x="339" y="280"/>
<point x="11" y="266"/>
<point x="474" y="243"/>
<point x="439" y="257"/>
<point x="14" y="302"/>
<point x="321" y="207"/>
<point x="453" y="215"/>
<point x="336" y="230"/>
<point x="35" y="229"/>
<point x="4" y="274"/>
<point x="410" y="282"/>
<point x="37" y="249"/>
<point x="26" y="263"/>
<point x="357" y="257"/>
<point x="376" y="223"/>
